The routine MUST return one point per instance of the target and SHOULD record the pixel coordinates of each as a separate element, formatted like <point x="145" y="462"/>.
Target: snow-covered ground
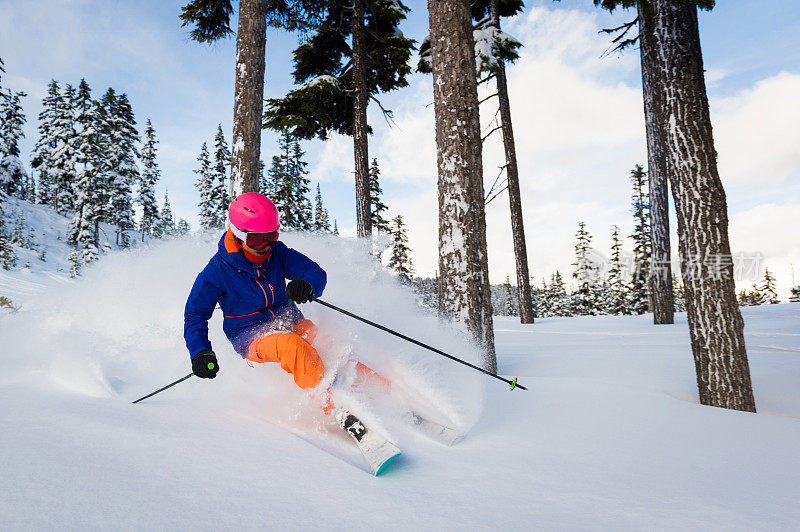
<point x="610" y="434"/>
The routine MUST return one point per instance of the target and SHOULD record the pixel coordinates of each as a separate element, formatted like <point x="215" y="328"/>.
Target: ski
<point x="377" y="450"/>
<point x="437" y="431"/>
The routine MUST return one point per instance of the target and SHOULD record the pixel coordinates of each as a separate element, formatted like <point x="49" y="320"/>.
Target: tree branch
<point x="490" y="96"/>
<point x="489" y="133"/>
<point x="388" y="114"/>
<point x="487" y="202"/>
<point x="619" y="40"/>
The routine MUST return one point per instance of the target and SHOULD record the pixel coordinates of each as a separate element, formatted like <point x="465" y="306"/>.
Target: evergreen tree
<point x="147" y="182"/>
<point x="321" y="223"/>
<point x="767" y="291"/>
<point x="219" y="190"/>
<point x="8" y="258"/>
<point x="264" y="184"/>
<point x="122" y="172"/>
<point x="641" y="241"/>
<point x="617" y="301"/>
<point x="794" y="296"/>
<point x="290" y="185"/>
<point x="560" y="300"/>
<point x="338" y="79"/>
<point x="205" y="185"/>
<point x="377" y="207"/>
<point x="46" y="144"/>
<point x="88" y="185"/>
<point x="584" y="300"/>
<point x="335" y="227"/>
<point x="62" y="173"/>
<point x="400" y="261"/>
<point x="298" y="174"/>
<point x="183" y="227"/>
<point x="166" y="221"/>
<point x="12" y="117"/>
<point x="511" y="307"/>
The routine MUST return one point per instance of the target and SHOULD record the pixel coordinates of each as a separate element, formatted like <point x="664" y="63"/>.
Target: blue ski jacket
<point x="250" y="294"/>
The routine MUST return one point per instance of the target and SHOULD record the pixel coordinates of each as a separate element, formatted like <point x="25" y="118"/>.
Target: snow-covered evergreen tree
<point x="166" y="221"/>
<point x="219" y="190"/>
<point x="87" y="189"/>
<point x="400" y="260"/>
<point x="290" y="185"/>
<point x="511" y="303"/>
<point x="794" y="294"/>
<point x="147" y="182"/>
<point x="584" y="298"/>
<point x="123" y="172"/>
<point x="617" y="300"/>
<point x="183" y="227"/>
<point x="377" y="207"/>
<point x="560" y="300"/>
<point x="205" y="185"/>
<point x="45" y="146"/>
<point x="767" y="291"/>
<point x="641" y="241"/>
<point x="63" y="157"/>
<point x="13" y="175"/>
<point x="321" y="222"/>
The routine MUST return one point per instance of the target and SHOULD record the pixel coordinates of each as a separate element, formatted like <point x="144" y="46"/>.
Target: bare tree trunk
<point x="248" y="104"/>
<point x="514" y="197"/>
<point x="660" y="281"/>
<point x="715" y="323"/>
<point x="463" y="263"/>
<point x="360" y="142"/>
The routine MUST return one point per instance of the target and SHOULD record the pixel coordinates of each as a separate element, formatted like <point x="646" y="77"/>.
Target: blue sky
<point x="577" y="116"/>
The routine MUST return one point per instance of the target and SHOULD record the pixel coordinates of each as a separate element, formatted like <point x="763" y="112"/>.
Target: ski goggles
<point x="260" y="240"/>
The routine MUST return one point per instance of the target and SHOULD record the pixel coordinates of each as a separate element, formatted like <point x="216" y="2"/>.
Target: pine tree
<point x="8" y="258"/>
<point x="264" y="184"/>
<point x="88" y="185"/>
<point x="45" y="146"/>
<point x="584" y="300"/>
<point x="183" y="227"/>
<point x="63" y="158"/>
<point x="400" y="261"/>
<point x="377" y="207"/>
<point x="298" y="174"/>
<point x="511" y="301"/>
<point x="290" y="185"/>
<point x="147" y="182"/>
<point x="794" y="296"/>
<point x="767" y="291"/>
<point x="219" y="191"/>
<point x="641" y="241"/>
<point x="321" y="223"/>
<point x="123" y="172"/>
<point x="335" y="227"/>
<point x="166" y="222"/>
<point x="12" y="117"/>
<point x="337" y="79"/>
<point x="617" y="302"/>
<point x="560" y="300"/>
<point x="205" y="184"/>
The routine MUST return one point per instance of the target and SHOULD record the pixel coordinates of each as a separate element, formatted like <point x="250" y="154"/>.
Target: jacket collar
<point x="228" y="250"/>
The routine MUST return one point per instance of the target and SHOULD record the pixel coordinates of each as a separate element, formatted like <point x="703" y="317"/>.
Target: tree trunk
<point x="251" y="42"/>
<point x="463" y="264"/>
<point x="715" y="323"/>
<point x="360" y="142"/>
<point x="514" y="198"/>
<point x="660" y="281"/>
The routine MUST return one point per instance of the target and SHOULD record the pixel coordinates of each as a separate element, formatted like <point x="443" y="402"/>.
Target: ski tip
<point x="513" y="384"/>
<point x="386" y="464"/>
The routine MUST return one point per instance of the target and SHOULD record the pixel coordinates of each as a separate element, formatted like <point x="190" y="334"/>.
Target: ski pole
<point x="164" y="388"/>
<point x="513" y="383"/>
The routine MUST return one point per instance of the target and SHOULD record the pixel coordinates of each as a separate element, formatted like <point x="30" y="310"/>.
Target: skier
<point x="247" y="278"/>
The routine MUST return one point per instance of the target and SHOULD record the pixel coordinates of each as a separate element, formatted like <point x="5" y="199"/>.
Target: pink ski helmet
<point x="252" y="213"/>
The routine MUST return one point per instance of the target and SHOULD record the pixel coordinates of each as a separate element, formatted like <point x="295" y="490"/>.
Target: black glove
<point x="299" y="291"/>
<point x="204" y="365"/>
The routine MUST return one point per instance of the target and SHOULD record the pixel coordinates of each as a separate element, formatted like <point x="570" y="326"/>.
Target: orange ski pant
<point x="293" y="351"/>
